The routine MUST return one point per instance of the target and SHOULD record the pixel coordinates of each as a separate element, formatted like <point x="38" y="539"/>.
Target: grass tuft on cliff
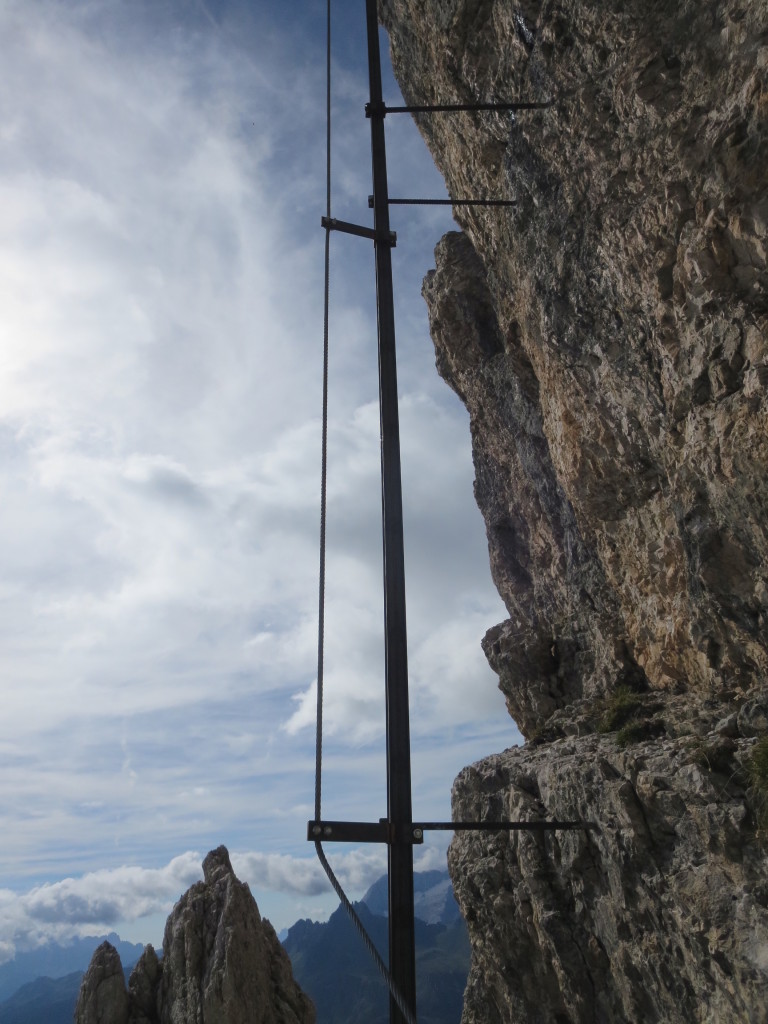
<point x="630" y="715"/>
<point x="622" y="707"/>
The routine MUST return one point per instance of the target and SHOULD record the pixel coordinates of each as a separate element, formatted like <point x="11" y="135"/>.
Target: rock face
<point x="609" y="337"/>
<point x="658" y="913"/>
<point x="103" y="998"/>
<point x="222" y="964"/>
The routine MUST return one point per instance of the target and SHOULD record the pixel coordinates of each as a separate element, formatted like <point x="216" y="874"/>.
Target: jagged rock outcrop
<point x="656" y="914"/>
<point x="617" y="377"/>
<point x="103" y="998"/>
<point x="609" y="337"/>
<point x="222" y="964"/>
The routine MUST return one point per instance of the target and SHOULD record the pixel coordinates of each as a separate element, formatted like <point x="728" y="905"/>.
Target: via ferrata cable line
<point x="398" y="830"/>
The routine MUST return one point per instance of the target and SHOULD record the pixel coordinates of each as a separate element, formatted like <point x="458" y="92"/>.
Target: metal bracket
<point x="356" y="832"/>
<point x="356" y="229"/>
<point x="376" y="109"/>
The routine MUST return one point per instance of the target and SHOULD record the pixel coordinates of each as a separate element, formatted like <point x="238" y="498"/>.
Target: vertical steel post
<point x="402" y="955"/>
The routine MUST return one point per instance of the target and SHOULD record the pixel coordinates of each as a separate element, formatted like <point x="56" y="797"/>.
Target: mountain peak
<point x="433" y="899"/>
<point x="220" y="960"/>
<point x="217" y="865"/>
<point x="103" y="996"/>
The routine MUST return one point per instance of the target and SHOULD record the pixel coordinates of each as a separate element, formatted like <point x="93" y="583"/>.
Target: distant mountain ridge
<point x="433" y="899"/>
<point x="321" y="953"/>
<point x="41" y="986"/>
<point x="43" y="1001"/>
<point x="55" y="961"/>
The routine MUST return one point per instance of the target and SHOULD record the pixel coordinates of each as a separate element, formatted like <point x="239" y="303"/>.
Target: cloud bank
<point x="161" y="326"/>
<point x="99" y="901"/>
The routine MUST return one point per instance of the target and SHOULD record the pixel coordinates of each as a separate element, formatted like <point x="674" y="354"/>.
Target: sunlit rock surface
<point x="222" y="964"/>
<point x="609" y="337"/>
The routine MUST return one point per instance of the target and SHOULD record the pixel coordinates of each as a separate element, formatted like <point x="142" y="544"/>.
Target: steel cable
<point x="324" y="457"/>
<point x="369" y="943"/>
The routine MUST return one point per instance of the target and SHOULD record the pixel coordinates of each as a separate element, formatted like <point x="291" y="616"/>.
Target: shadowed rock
<point x="103" y="996"/>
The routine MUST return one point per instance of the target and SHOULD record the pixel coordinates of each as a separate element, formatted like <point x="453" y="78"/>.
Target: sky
<point x="162" y="179"/>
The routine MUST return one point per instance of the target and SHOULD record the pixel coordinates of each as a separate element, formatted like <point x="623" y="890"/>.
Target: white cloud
<point x="98" y="901"/>
<point x="160" y="355"/>
<point x="356" y="870"/>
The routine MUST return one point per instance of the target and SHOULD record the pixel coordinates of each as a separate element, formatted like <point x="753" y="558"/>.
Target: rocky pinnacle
<point x="222" y="964"/>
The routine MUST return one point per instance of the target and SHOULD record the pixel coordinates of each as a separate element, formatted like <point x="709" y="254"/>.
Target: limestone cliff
<point x="221" y="964"/>
<point x="609" y="337"/>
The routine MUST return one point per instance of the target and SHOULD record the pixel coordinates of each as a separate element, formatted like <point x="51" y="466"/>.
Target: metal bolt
<point x="327" y="830"/>
<point x="418" y="833"/>
<point x="316" y="830"/>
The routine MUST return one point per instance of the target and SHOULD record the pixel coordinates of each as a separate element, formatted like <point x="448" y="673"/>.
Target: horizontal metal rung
<point x="453" y="202"/>
<point x="447" y="202"/>
<point x="502" y="826"/>
<point x="357" y="229"/>
<point x="441" y="108"/>
<point x="383" y="832"/>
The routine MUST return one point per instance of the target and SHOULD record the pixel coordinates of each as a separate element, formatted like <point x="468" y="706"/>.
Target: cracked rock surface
<point x="609" y="337"/>
<point x="656" y="913"/>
